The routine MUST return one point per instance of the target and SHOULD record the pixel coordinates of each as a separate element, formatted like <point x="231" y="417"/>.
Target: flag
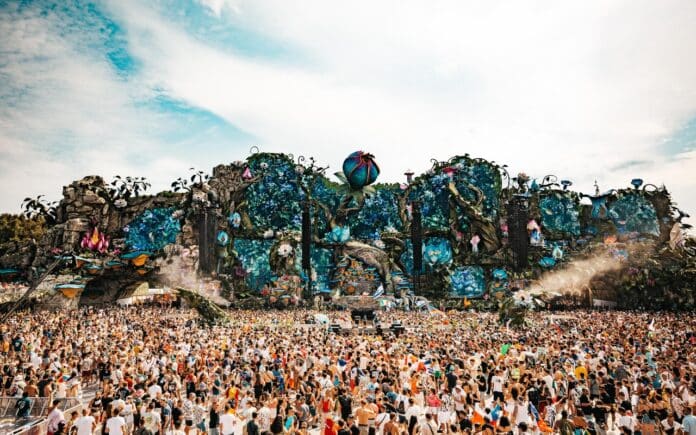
<point x="543" y="427"/>
<point x="379" y="292"/>
<point x="651" y="326"/>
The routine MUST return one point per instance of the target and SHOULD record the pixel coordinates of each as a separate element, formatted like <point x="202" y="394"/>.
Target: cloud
<point x="572" y="90"/>
<point x="68" y="110"/>
<point x="577" y="90"/>
<point x="631" y="164"/>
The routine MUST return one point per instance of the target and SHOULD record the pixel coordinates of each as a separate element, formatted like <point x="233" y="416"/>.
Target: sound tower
<point x="307" y="247"/>
<point x="518" y="215"/>
<point x="207" y="225"/>
<point x="306" y="238"/>
<point x="417" y="244"/>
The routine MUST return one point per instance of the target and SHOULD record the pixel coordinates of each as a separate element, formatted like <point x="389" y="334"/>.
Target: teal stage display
<point x="483" y="234"/>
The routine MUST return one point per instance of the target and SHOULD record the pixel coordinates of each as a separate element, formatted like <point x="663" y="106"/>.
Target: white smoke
<point x="179" y="269"/>
<point x="577" y="275"/>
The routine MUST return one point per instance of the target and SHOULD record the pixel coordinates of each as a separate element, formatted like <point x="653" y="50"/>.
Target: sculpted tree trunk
<point x="371" y="256"/>
<point x="480" y="224"/>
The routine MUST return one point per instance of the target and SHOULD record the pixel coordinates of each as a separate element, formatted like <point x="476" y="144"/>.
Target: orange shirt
<point x="414" y="385"/>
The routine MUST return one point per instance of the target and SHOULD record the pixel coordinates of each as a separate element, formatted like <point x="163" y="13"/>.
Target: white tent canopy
<point x="143" y="292"/>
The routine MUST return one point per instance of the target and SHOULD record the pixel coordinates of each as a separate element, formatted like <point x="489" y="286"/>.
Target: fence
<point x="36" y="422"/>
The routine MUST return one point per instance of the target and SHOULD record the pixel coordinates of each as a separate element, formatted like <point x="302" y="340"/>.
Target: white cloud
<point x="547" y="87"/>
<point x="66" y="114"/>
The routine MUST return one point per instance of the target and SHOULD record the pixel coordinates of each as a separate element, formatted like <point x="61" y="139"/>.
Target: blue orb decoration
<point x="500" y="274"/>
<point x="360" y="169"/>
<point x="234" y="220"/>
<point x="223" y="238"/>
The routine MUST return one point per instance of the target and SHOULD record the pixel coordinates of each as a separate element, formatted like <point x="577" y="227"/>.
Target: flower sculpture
<point x="557" y="253"/>
<point x="95" y="242"/>
<point x="360" y="169"/>
<point x="284" y="250"/>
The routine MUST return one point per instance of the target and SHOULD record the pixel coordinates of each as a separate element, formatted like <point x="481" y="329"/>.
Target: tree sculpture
<point x="480" y="224"/>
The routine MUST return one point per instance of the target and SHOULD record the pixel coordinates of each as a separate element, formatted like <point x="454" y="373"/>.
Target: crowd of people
<point x="153" y="370"/>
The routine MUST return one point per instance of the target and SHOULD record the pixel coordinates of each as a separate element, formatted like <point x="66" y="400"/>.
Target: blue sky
<point x="601" y="90"/>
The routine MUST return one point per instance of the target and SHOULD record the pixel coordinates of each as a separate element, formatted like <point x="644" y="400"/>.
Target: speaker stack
<point x="397" y="329"/>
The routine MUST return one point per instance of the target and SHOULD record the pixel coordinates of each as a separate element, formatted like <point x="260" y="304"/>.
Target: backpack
<point x="401" y="408"/>
<point x="277" y="425"/>
<point x="567" y="427"/>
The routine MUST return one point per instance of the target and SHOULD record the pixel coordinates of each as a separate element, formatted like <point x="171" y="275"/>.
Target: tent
<point x="142" y="292"/>
<point x="321" y="319"/>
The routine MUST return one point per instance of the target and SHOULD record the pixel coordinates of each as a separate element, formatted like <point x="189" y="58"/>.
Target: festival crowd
<point x="153" y="370"/>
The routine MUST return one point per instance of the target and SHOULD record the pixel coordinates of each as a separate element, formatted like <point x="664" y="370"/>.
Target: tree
<point x="40" y="207"/>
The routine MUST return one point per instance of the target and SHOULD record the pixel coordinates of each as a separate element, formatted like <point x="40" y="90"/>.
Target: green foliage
<point x="379" y="213"/>
<point x="656" y="279"/>
<point x="40" y="207"/>
<point x="208" y="310"/>
<point x="274" y="201"/>
<point x="560" y="213"/>
<point x="632" y="212"/>
<point x="17" y="228"/>
<point x="509" y="311"/>
<point x="127" y="187"/>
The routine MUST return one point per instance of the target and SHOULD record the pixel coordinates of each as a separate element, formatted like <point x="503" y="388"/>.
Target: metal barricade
<point x="36" y="422"/>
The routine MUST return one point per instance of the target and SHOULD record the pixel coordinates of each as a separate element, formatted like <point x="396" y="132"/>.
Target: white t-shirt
<point x="666" y="426"/>
<point x="626" y="421"/>
<point x="381" y="420"/>
<point x="497" y="382"/>
<point x="54" y="419"/>
<point x="459" y="399"/>
<point x="151" y="421"/>
<point x="84" y="425"/>
<point x="264" y="419"/>
<point x="153" y="390"/>
<point x="115" y="425"/>
<point x="230" y="424"/>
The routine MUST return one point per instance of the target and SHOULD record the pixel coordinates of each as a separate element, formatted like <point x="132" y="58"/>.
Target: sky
<point x="585" y="90"/>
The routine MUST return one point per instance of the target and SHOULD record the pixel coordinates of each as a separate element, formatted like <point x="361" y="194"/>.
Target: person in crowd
<point x="160" y="370"/>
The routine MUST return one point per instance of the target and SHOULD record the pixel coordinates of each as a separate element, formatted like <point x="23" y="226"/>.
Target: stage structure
<point x="279" y="229"/>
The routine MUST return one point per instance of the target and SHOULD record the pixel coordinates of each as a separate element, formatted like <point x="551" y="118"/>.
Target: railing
<point x="35" y="423"/>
